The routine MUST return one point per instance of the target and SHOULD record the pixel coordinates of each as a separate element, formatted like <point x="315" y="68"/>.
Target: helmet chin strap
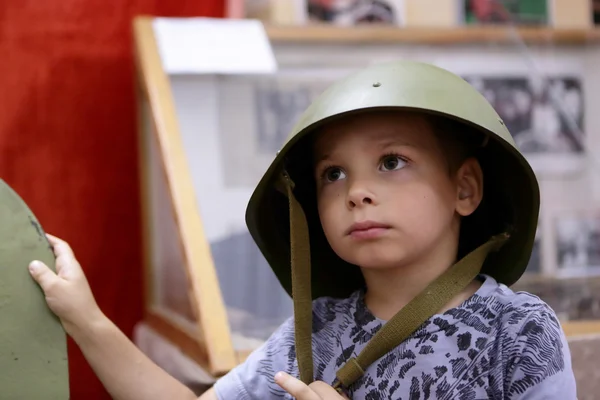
<point x="301" y="283"/>
<point x="426" y="304"/>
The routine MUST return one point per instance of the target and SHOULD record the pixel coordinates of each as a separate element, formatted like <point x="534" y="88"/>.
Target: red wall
<point x="68" y="138"/>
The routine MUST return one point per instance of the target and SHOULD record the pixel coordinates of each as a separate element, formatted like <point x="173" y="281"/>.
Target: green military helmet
<point x="496" y="239"/>
<point x="511" y="192"/>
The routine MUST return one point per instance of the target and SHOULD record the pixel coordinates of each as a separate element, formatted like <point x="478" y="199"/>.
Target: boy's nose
<point x="365" y="200"/>
<point x="359" y="196"/>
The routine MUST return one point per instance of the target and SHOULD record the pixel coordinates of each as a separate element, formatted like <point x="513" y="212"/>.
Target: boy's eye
<point x="390" y="163"/>
<point x="333" y="174"/>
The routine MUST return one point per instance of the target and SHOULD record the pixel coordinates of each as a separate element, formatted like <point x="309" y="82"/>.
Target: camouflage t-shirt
<point x="496" y="345"/>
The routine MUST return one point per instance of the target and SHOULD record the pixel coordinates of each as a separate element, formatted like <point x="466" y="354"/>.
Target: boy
<point x="378" y="199"/>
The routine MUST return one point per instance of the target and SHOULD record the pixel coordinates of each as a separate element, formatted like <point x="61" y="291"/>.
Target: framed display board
<point x="208" y="131"/>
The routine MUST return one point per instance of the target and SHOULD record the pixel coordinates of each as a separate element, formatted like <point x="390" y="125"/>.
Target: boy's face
<point x="385" y="195"/>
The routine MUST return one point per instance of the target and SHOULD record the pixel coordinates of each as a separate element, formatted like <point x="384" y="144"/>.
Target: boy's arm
<point x="123" y="369"/>
<point x="540" y="360"/>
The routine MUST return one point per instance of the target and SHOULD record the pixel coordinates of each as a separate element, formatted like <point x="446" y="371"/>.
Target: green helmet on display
<point x="33" y="342"/>
<point x="283" y="220"/>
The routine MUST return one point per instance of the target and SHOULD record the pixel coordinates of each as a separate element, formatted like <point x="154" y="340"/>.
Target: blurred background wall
<point x="68" y="139"/>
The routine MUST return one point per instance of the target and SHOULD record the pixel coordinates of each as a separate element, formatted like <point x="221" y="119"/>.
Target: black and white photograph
<point x="535" y="267"/>
<point x="277" y="110"/>
<point x="257" y="117"/>
<point x="545" y="116"/>
<point x="578" y="245"/>
<point x="355" y="12"/>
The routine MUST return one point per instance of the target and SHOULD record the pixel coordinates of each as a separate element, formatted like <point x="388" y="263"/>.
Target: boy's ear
<point x="469" y="180"/>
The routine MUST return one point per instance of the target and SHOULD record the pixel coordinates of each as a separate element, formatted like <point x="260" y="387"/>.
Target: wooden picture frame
<point x="206" y="339"/>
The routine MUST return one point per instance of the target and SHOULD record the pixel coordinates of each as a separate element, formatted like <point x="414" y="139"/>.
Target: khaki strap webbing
<point x="417" y="311"/>
<point x="398" y="328"/>
<point x="301" y="285"/>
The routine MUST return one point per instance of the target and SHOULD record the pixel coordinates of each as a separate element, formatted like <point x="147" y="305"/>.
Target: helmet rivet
<point x="501" y="122"/>
<point x="376" y="84"/>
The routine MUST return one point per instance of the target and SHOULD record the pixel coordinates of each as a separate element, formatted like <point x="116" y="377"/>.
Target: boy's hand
<point x="67" y="292"/>
<point x="315" y="391"/>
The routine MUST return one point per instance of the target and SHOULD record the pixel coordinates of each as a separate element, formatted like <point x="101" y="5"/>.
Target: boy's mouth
<point x="367" y="230"/>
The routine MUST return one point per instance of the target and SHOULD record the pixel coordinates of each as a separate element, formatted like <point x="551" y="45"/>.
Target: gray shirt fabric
<point x="498" y="344"/>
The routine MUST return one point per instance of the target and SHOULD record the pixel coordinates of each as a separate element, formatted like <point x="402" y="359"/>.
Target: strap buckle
<point x="340" y="388"/>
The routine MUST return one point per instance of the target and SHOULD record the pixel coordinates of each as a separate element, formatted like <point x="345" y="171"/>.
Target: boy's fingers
<point x="59" y="246"/>
<point x="295" y="387"/>
<point x="66" y="264"/>
<point x="43" y="275"/>
<point x="325" y="391"/>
